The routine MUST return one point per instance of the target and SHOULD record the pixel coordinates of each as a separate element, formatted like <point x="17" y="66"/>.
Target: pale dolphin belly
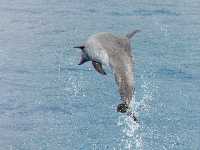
<point x="96" y="51"/>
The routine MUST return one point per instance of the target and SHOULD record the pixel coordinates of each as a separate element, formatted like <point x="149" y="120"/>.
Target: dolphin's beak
<point x="80" y="47"/>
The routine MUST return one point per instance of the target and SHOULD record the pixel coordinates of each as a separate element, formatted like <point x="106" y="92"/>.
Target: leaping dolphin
<point x="114" y="51"/>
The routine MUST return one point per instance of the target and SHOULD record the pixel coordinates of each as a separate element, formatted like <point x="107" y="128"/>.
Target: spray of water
<point x="132" y="136"/>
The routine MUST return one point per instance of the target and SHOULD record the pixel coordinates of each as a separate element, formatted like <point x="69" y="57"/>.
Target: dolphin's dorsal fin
<point x="131" y="34"/>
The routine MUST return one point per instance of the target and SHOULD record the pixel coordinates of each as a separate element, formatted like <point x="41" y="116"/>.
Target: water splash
<point x="145" y="103"/>
<point x="132" y="136"/>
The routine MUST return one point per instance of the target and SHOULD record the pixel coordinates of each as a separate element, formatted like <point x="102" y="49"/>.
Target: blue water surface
<point x="48" y="102"/>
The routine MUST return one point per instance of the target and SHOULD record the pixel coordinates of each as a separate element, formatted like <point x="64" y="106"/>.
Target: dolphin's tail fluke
<point x="130" y="35"/>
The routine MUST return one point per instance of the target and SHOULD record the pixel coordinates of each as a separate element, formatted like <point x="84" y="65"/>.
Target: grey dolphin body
<point x="106" y="48"/>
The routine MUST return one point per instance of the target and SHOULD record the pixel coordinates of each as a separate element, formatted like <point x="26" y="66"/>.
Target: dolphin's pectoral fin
<point x="98" y="67"/>
<point x="84" y="58"/>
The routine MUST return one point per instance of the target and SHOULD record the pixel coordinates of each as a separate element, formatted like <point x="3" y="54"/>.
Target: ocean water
<point x="48" y="102"/>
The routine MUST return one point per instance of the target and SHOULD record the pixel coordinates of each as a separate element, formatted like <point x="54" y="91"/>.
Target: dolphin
<point x="115" y="52"/>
